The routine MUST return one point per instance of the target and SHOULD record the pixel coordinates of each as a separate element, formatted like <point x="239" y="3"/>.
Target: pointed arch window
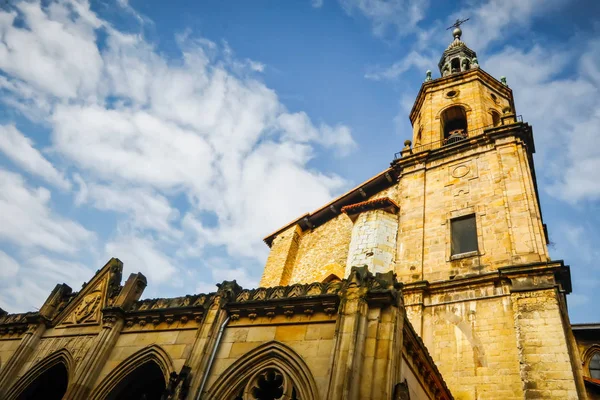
<point x="273" y="371"/>
<point x="48" y="379"/>
<point x="594" y="366"/>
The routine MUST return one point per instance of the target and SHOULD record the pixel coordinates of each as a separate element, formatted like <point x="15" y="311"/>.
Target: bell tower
<point x="463" y="103"/>
<point x="480" y="287"/>
<point x="457" y="218"/>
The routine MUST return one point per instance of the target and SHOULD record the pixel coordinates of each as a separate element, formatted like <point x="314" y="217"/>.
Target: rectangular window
<point x="464" y="234"/>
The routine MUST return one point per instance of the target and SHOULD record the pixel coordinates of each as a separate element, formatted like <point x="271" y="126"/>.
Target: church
<point x="430" y="280"/>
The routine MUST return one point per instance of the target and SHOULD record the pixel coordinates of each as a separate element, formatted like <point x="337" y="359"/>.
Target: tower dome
<point x="457" y="57"/>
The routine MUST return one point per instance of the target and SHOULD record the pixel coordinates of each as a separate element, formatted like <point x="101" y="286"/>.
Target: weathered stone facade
<point x="345" y="339"/>
<point x="365" y="298"/>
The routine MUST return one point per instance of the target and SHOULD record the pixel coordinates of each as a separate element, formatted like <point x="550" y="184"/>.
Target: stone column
<point x="383" y="343"/>
<point x="112" y="324"/>
<point x="28" y="343"/>
<point x="200" y="359"/>
<point x="351" y="330"/>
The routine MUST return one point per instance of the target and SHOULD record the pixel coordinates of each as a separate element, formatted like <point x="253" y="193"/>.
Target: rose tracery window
<point x="270" y="384"/>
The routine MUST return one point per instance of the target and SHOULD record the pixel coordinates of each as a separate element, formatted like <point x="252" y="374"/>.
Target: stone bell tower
<point x="480" y="287"/>
<point x="457" y="218"/>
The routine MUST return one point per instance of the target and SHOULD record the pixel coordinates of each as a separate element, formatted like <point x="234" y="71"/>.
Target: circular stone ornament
<point x="460" y="171"/>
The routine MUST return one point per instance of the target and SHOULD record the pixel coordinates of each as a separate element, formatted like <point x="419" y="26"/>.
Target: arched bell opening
<point x="50" y="385"/>
<point x="455" y="65"/>
<point x="454" y="124"/>
<point x="146" y="382"/>
<point x="495" y="118"/>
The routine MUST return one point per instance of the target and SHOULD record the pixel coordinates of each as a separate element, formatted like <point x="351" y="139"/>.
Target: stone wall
<point x="545" y="363"/>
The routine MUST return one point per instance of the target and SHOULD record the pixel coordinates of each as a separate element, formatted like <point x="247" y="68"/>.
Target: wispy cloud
<point x="138" y="129"/>
<point x="19" y="148"/>
<point x="412" y="60"/>
<point x="398" y="16"/>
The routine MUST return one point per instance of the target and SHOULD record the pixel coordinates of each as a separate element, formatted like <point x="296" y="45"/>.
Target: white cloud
<point x="20" y="150"/>
<point x="9" y="267"/>
<point x="412" y="60"/>
<point x="56" y="52"/>
<point x="563" y="108"/>
<point x="37" y="276"/>
<point x="145" y="208"/>
<point x="316" y="3"/>
<point x="27" y="220"/>
<point x="142" y="254"/>
<point x="139" y="128"/>
<point x="402" y="15"/>
<point x="495" y="19"/>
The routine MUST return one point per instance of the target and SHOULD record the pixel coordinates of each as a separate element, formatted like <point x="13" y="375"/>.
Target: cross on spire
<point x="457" y="32"/>
<point x="458" y="23"/>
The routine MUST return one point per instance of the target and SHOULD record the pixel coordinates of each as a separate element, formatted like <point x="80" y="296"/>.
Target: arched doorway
<point x="146" y="382"/>
<point x="50" y="385"/>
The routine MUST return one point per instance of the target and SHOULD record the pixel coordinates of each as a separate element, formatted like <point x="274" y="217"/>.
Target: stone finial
<point x="428" y="76"/>
<point x="407" y="143"/>
<point x="503" y="80"/>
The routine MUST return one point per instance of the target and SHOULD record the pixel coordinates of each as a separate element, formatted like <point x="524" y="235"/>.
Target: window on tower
<point x="495" y="118"/>
<point x="454" y="124"/>
<point x="463" y="235"/>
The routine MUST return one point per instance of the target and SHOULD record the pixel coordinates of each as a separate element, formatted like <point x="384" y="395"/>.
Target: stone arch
<point x="587" y="358"/>
<point x="269" y="356"/>
<point x="62" y="356"/>
<point x="495" y="116"/>
<point x="466" y="107"/>
<point x="152" y="353"/>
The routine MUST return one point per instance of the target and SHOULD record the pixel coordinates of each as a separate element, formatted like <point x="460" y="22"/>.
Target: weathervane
<point x="457" y="32"/>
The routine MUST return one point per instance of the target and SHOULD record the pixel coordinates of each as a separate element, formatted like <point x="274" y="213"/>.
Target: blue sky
<point x="175" y="135"/>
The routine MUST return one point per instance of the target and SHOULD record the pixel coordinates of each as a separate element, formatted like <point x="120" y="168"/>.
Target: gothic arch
<point x="271" y="355"/>
<point x="589" y="352"/>
<point x="62" y="356"/>
<point x="152" y="353"/>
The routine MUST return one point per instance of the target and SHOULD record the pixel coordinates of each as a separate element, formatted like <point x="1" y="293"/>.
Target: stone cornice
<point x="381" y="290"/>
<point x="556" y="269"/>
<point x="383" y="203"/>
<point x="489" y="137"/>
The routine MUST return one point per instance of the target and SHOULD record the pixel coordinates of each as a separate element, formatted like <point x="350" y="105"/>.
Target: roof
<point x="360" y="193"/>
<point x="586" y="326"/>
